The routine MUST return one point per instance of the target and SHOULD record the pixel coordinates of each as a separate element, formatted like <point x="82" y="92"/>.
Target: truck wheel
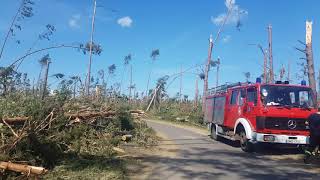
<point x="214" y="134"/>
<point x="245" y="144"/>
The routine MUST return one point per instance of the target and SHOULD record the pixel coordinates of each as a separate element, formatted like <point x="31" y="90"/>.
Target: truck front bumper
<point x="277" y="138"/>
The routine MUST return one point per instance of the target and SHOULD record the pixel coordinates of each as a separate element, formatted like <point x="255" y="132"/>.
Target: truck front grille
<point x="280" y="123"/>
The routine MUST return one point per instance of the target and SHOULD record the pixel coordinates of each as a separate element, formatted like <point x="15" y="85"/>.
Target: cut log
<point x="90" y="114"/>
<point x="126" y="137"/>
<point x="137" y="111"/>
<point x="15" y="120"/>
<point x="21" y="168"/>
<point x="118" y="150"/>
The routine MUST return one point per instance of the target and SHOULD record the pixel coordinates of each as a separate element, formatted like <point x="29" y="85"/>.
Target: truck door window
<point x="234" y="97"/>
<point x="303" y="97"/>
<point x="292" y="97"/>
<point x="252" y="95"/>
<point x="242" y="97"/>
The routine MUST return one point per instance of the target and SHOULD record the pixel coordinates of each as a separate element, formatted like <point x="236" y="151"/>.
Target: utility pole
<point x="90" y="49"/>
<point x="271" y="79"/>
<point x="180" y="91"/>
<point x="309" y="57"/>
<point x="206" y="73"/>
<point x="196" y="94"/>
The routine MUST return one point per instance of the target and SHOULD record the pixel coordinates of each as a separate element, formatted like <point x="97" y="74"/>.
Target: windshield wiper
<point x="278" y="105"/>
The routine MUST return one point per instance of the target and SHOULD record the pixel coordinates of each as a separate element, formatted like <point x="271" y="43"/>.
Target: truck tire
<point x="245" y="144"/>
<point x="214" y="134"/>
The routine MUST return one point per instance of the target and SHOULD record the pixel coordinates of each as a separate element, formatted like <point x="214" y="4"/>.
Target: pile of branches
<point x="137" y="114"/>
<point x="42" y="138"/>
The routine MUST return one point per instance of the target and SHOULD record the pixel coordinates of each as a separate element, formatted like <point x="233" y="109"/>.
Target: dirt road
<point x="199" y="157"/>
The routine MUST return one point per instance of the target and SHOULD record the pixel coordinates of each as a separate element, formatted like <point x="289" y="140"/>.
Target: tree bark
<point x="309" y="57"/>
<point x="206" y="74"/>
<point x="25" y="169"/>
<point x="90" y="51"/>
<point x="44" y="88"/>
<point x="271" y="78"/>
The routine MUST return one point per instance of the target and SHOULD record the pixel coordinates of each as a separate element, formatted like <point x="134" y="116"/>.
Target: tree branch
<point x="9" y="30"/>
<point x="223" y="23"/>
<point x="301" y="50"/>
<point x="13" y="132"/>
<point x="44" y="49"/>
<point x="302" y="42"/>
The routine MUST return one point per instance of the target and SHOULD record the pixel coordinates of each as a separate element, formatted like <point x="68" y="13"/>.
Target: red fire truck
<point x="256" y="112"/>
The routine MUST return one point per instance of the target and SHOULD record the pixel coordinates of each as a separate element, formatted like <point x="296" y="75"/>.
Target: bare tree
<point x="211" y="44"/>
<point x="90" y="49"/>
<point x="309" y="57"/>
<point x="44" y="62"/>
<point x="247" y="75"/>
<point x="25" y="10"/>
<point x="265" y="65"/>
<point x="111" y="71"/>
<point x="75" y="80"/>
<point x="46" y="35"/>
<point x="282" y="72"/>
<point x="127" y="60"/>
<point x="154" y="54"/>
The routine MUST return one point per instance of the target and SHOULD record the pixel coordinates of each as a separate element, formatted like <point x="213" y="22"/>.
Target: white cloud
<point x="236" y="14"/>
<point x="125" y="21"/>
<point x="226" y="39"/>
<point x="74" y="21"/>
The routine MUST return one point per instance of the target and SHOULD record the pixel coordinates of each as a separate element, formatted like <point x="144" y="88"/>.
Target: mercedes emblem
<point x="292" y="124"/>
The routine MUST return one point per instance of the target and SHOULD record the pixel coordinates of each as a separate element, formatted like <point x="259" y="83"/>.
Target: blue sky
<point x="179" y="29"/>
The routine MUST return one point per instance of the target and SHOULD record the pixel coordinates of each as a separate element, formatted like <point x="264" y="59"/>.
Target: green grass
<point x="187" y="123"/>
<point x="90" y="167"/>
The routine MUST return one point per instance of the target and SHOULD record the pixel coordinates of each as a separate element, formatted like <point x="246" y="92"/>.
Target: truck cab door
<point x="249" y="110"/>
<point x="232" y="110"/>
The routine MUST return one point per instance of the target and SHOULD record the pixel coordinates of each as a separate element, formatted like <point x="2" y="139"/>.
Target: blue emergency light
<point x="258" y="80"/>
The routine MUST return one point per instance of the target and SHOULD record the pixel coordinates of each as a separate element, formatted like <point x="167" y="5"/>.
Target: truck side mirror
<point x="250" y="104"/>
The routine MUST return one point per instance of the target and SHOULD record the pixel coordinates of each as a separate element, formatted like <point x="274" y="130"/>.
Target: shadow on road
<point x="199" y="157"/>
<point x="201" y="163"/>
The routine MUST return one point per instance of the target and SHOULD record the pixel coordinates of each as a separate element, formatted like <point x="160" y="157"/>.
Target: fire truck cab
<point x="255" y="112"/>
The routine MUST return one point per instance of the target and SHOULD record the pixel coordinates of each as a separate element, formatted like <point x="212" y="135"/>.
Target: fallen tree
<point x="86" y="115"/>
<point x="22" y="168"/>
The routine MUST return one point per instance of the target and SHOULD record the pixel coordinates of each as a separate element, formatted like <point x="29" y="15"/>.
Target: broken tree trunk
<point x="206" y="74"/>
<point x="309" y="57"/>
<point x="21" y="168"/>
<point x="153" y="98"/>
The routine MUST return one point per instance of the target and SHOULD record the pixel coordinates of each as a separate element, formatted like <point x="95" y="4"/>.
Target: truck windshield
<point x="290" y="96"/>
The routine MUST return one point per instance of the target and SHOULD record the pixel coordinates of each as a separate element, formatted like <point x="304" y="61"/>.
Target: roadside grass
<point x="102" y="167"/>
<point x="90" y="167"/>
<point x="202" y="129"/>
